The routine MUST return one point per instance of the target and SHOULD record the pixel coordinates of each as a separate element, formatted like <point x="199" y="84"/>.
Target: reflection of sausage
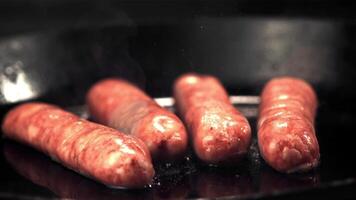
<point x="220" y="133"/>
<point x="220" y="184"/>
<point x="125" y="107"/>
<point x="272" y="181"/>
<point x="171" y="189"/>
<point x="97" y="151"/>
<point x="64" y="183"/>
<point x="286" y="134"/>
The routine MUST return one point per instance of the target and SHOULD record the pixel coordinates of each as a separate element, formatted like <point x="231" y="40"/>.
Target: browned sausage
<point x="96" y="151"/>
<point x="220" y="133"/>
<point x="286" y="134"/>
<point x="123" y="106"/>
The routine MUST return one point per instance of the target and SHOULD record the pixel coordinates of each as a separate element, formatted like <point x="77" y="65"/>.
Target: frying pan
<point x="58" y="65"/>
<point x="188" y="178"/>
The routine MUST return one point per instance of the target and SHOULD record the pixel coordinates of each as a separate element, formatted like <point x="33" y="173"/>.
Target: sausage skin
<point x="219" y="132"/>
<point x="286" y="134"/>
<point x="123" y="106"/>
<point x="96" y="151"/>
<point x="65" y="184"/>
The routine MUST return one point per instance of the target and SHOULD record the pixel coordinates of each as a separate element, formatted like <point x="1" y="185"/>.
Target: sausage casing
<point x="123" y="106"/>
<point x="93" y="150"/>
<point x="286" y="134"/>
<point x="220" y="133"/>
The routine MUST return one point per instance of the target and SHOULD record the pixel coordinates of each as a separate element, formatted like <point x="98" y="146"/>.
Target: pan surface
<point x="28" y="174"/>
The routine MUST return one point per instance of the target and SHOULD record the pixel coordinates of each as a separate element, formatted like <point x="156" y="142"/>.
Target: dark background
<point x="55" y="50"/>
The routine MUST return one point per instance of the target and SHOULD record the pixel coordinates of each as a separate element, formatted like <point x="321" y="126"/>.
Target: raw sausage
<point x="62" y="182"/>
<point x="286" y="134"/>
<point x="220" y="133"/>
<point x="123" y="106"/>
<point x="96" y="151"/>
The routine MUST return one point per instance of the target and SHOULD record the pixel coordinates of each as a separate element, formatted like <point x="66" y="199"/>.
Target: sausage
<point x="219" y="132"/>
<point x="123" y="106"/>
<point x="286" y="134"/>
<point x="69" y="185"/>
<point x="96" y="151"/>
<point x="62" y="182"/>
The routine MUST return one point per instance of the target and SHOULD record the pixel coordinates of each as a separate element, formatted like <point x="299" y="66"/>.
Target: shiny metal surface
<point x="188" y="178"/>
